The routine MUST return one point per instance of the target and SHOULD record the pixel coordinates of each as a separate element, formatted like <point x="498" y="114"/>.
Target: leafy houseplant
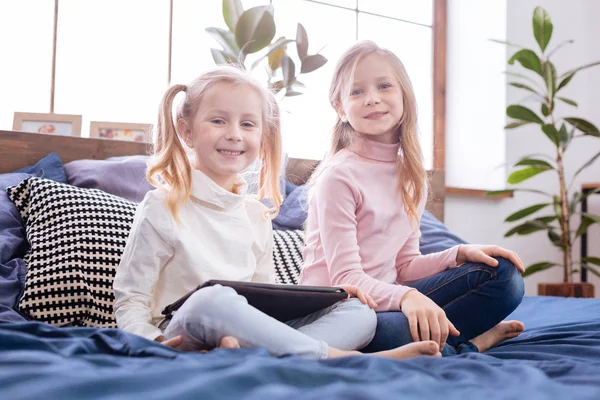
<point x="252" y="31"/>
<point x="543" y="89"/>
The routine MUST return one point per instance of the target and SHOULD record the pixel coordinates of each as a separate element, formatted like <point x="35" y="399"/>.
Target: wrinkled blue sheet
<point x="558" y="357"/>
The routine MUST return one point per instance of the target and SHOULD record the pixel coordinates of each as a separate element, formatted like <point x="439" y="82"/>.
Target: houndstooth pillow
<point x="287" y="254"/>
<point x="77" y="237"/>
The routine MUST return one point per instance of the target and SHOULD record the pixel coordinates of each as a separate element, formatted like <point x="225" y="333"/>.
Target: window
<point x="26" y="29"/>
<point x="112" y="57"/>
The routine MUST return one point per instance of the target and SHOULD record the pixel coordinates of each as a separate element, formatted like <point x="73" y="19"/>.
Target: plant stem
<point x="564" y="218"/>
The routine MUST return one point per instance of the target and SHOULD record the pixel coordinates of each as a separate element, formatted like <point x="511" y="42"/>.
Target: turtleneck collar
<point x="207" y="190"/>
<point x="374" y="150"/>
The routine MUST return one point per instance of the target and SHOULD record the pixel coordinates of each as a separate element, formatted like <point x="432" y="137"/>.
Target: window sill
<point x="455" y="191"/>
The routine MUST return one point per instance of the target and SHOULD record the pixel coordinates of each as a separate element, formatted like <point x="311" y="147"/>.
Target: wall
<point x="480" y="220"/>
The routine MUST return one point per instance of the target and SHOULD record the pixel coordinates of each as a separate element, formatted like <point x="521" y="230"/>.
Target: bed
<point x="558" y="356"/>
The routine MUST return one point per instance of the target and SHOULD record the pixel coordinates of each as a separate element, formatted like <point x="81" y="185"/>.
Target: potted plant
<point x="251" y="32"/>
<point x="543" y="87"/>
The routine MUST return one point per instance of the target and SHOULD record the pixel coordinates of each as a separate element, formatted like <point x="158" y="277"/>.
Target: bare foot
<point x="504" y="330"/>
<point x="411" y="350"/>
<point x="229" y="342"/>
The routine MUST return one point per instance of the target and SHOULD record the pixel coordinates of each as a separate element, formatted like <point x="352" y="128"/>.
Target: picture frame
<point x="47" y="123"/>
<point x="132" y="132"/>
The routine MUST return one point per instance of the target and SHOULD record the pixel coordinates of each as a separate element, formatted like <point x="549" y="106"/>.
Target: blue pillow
<point x="49" y="167"/>
<point x="435" y="236"/>
<point x="13" y="245"/>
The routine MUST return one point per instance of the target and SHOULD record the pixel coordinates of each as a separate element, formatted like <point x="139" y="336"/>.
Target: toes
<point x="430" y="347"/>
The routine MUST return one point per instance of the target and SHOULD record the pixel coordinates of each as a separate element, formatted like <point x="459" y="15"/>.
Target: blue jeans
<point x="475" y="297"/>
<point x="217" y="311"/>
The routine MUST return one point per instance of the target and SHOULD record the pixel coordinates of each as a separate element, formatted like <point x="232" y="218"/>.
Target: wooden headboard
<point x="20" y="149"/>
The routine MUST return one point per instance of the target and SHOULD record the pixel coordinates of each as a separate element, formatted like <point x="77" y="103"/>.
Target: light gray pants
<point x="214" y="312"/>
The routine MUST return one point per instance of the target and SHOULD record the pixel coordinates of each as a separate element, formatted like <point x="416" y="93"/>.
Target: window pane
<point x="419" y="11"/>
<point x="111" y="59"/>
<point x="191" y="44"/>
<point x="416" y="54"/>
<point x="307" y="119"/>
<point x="341" y="3"/>
<point x="26" y="48"/>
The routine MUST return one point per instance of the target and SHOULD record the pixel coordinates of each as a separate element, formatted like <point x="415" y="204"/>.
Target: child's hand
<point x="353" y="291"/>
<point x="484" y="254"/>
<point x="427" y="318"/>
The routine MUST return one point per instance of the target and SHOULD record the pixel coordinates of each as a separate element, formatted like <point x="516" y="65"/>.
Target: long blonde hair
<point x="411" y="172"/>
<point x="171" y="162"/>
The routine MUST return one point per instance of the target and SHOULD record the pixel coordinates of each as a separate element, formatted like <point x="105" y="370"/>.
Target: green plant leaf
<point x="527" y="228"/>
<point x="591" y="269"/>
<point x="587" y="220"/>
<point x="525" y="212"/>
<point x="587" y="164"/>
<point x="574" y="201"/>
<point x="552" y="133"/>
<point x="565" y="81"/>
<point x="528" y="59"/>
<point x="533" y="268"/>
<point x="289" y="71"/>
<point x="568" y="101"/>
<point x="545" y="111"/>
<point x="527" y="78"/>
<point x="255" y="29"/>
<point x="570" y="41"/>
<point x="546" y="220"/>
<point x="291" y="92"/>
<point x="525" y="87"/>
<point x="516" y="124"/>
<point x="567" y="76"/>
<point x="556" y="206"/>
<point x="225" y="38"/>
<point x="591" y="260"/>
<point x="542" y="27"/>
<point x="499" y="192"/>
<point x="311" y="63"/>
<point x="534" y="162"/>
<point x="555" y="239"/>
<point x="524" y="174"/>
<point x="506" y="43"/>
<point x="301" y="42"/>
<point x="280" y="44"/>
<point x="573" y="71"/>
<point x="232" y="10"/>
<point x="564" y="136"/>
<point x="584" y="126"/>
<point x="523" y="114"/>
<point x="550" y="78"/>
<point x="220" y="57"/>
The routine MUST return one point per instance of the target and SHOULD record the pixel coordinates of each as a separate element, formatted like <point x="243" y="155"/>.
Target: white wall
<point x="480" y="220"/>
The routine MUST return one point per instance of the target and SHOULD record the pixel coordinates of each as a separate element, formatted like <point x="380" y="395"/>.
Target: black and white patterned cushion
<point x="77" y="237"/>
<point x="287" y="254"/>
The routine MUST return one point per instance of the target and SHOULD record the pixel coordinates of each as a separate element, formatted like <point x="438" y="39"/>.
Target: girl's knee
<point x="212" y="300"/>
<point x="361" y="313"/>
<point x="510" y="277"/>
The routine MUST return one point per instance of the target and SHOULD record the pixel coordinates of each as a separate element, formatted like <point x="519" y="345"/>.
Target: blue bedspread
<point x="558" y="357"/>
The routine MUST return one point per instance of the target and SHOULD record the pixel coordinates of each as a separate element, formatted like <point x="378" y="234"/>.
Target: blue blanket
<point x="557" y="357"/>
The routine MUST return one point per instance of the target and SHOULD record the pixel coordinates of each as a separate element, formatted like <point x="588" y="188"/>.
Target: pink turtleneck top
<point x="358" y="232"/>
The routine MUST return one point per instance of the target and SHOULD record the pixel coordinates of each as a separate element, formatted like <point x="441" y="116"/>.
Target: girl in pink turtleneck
<point x="365" y="205"/>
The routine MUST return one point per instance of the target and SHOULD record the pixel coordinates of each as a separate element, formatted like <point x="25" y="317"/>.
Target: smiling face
<point x="226" y="131"/>
<point x="374" y="106"/>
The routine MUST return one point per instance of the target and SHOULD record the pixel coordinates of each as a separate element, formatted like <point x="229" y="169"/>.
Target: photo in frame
<point x="120" y="131"/>
<point x="52" y="124"/>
